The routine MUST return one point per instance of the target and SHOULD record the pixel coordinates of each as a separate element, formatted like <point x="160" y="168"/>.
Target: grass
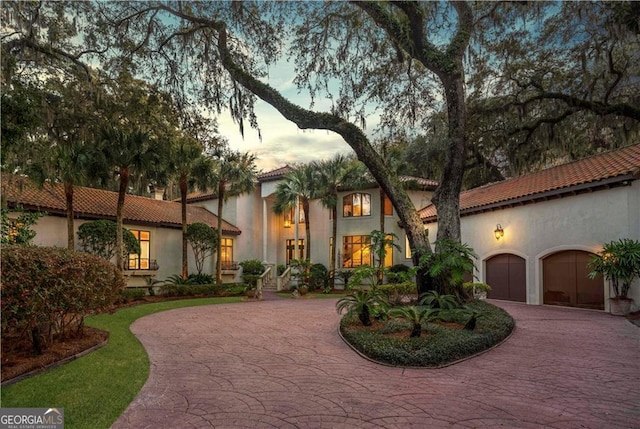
<point x="95" y="389"/>
<point x="438" y="346"/>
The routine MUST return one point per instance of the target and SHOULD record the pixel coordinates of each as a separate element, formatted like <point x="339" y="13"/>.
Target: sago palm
<point x="361" y="302"/>
<point x="415" y="315"/>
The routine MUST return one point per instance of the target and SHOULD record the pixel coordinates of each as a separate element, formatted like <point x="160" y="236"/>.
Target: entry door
<point x="506" y="274"/>
<point x="565" y="281"/>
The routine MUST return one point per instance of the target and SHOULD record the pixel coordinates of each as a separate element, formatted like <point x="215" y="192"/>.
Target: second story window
<point x="356" y="204"/>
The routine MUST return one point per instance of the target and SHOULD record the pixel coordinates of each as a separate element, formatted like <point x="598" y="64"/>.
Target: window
<point x="356" y="204"/>
<point x="290" y="215"/>
<point x="407" y="247"/>
<point x="226" y="254"/>
<point x="291" y="249"/>
<point x="388" y="207"/>
<point x="140" y="261"/>
<point x="388" y="257"/>
<point x="356" y="251"/>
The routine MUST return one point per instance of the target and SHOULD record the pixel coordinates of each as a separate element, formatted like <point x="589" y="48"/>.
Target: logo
<point x="31" y="418"/>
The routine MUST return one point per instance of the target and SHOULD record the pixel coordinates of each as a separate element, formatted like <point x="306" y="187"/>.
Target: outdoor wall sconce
<point x="287" y="223"/>
<point x="499" y="232"/>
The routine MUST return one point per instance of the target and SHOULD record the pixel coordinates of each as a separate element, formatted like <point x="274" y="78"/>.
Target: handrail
<point x="283" y="279"/>
<point x="264" y="277"/>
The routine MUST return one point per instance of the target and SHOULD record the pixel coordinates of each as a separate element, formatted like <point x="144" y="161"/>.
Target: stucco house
<point x="157" y="224"/>
<point x="535" y="234"/>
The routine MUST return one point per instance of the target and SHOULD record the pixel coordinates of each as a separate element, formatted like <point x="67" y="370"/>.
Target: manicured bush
<point x="438" y="345"/>
<point x="175" y="290"/>
<point x="398" y="273"/>
<point x="133" y="294"/>
<point x="252" y="266"/>
<point x="47" y="292"/>
<point x="202" y="279"/>
<point x="399" y="293"/>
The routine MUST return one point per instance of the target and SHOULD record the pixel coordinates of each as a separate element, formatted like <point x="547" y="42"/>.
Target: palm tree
<point x="332" y="174"/>
<point x="362" y="303"/>
<point x="132" y="153"/>
<point x="186" y="158"/>
<point x="233" y="173"/>
<point x="416" y="315"/>
<point x="299" y="185"/>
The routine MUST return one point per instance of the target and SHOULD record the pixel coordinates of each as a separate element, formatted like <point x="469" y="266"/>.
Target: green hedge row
<point x="47" y="292"/>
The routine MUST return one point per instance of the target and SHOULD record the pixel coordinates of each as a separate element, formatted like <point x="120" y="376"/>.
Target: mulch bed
<point x="19" y="362"/>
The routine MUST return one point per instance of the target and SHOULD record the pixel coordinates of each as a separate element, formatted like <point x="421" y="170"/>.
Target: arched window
<point x="356" y="204"/>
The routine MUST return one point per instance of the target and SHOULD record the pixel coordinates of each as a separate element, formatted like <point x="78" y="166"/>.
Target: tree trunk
<point x="416" y="331"/>
<point x="334" y="234"/>
<point x="219" y="255"/>
<point x="68" y="193"/>
<point x="122" y="192"/>
<point x="352" y="135"/>
<point x="446" y="198"/>
<point x="307" y="230"/>
<point x="183" y="203"/>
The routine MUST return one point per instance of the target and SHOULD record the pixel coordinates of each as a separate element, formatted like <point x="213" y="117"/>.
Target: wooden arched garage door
<point x="565" y="281"/>
<point x="506" y="274"/>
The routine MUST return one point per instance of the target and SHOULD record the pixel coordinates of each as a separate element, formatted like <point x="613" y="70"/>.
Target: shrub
<point x="398" y="293"/>
<point x="132" y="294"/>
<point x="441" y="345"/>
<point x="398" y="273"/>
<point x="281" y="269"/>
<point x="177" y="279"/>
<point x="318" y="277"/>
<point x="47" y="292"/>
<point x="175" y="290"/>
<point x="202" y="279"/>
<point x="99" y="238"/>
<point x="18" y="230"/>
<point x="251" y="271"/>
<point x="203" y="240"/>
<point x="252" y="266"/>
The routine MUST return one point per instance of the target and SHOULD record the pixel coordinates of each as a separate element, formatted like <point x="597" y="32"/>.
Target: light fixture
<point x="499" y="232"/>
<point x="287" y="223"/>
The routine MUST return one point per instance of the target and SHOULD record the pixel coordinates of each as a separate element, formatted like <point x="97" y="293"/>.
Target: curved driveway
<point x="281" y="364"/>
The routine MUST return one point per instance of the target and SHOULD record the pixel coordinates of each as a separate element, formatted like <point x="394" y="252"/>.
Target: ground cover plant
<point x="95" y="389"/>
<point x="388" y="340"/>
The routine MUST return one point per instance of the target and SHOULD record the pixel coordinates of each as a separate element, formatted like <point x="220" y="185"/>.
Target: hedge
<point x="47" y="292"/>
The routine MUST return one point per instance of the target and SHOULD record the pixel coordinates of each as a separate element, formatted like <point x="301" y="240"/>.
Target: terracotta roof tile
<point x="276" y="174"/>
<point x="617" y="163"/>
<point x="97" y="203"/>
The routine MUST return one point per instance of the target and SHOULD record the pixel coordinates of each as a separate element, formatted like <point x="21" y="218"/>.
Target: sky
<point x="282" y="141"/>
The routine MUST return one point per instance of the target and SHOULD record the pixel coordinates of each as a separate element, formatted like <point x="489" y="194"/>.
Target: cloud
<point x="282" y="141"/>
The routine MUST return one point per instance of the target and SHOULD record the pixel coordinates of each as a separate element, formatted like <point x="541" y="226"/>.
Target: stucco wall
<point x="165" y="247"/>
<point x="580" y="222"/>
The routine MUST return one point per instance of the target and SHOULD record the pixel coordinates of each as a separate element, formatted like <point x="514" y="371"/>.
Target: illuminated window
<point x="226" y="254"/>
<point x="291" y="249"/>
<point x="290" y="215"/>
<point x="388" y="207"/>
<point x="140" y="261"/>
<point x="407" y="247"/>
<point x="356" y="251"/>
<point x="388" y="257"/>
<point x="356" y="204"/>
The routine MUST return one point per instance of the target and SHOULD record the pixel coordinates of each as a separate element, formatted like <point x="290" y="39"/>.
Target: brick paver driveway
<point x="281" y="363"/>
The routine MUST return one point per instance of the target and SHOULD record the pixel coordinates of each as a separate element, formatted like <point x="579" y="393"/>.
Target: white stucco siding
<point x="534" y="231"/>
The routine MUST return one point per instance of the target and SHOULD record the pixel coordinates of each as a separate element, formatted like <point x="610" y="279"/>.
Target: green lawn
<point x="95" y="389"/>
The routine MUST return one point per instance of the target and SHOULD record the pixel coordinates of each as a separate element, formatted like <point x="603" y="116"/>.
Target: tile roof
<point x="409" y="182"/>
<point x="276" y="174"/>
<point x="90" y="203"/>
<point x="597" y="170"/>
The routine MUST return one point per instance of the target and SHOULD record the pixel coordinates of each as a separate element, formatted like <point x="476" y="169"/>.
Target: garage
<point x="565" y="281"/>
<point x="506" y="274"/>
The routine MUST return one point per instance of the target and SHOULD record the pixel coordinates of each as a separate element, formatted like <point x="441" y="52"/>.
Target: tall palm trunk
<point x="334" y="234"/>
<point x="183" y="203"/>
<point x="219" y="253"/>
<point x="68" y="193"/>
<point x="122" y="192"/>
